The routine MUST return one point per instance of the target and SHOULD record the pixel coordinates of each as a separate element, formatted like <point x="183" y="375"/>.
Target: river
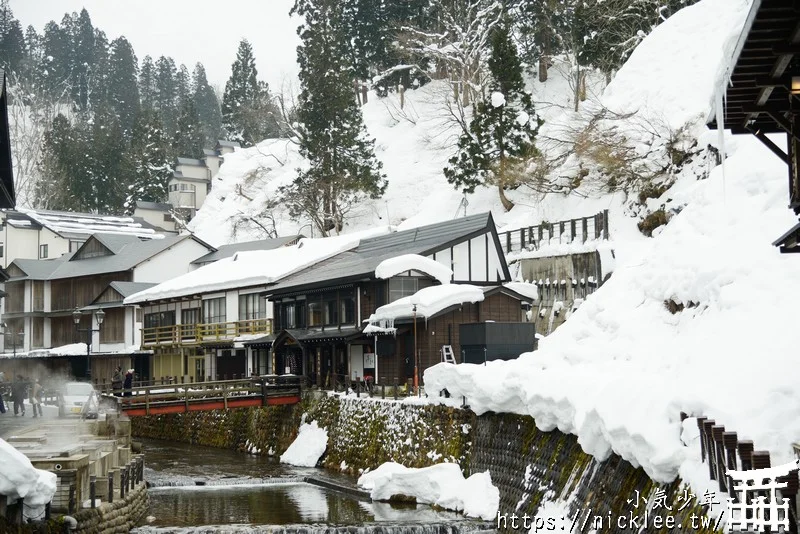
<point x="201" y="489"/>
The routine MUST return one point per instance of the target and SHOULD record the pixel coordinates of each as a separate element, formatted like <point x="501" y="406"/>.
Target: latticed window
<point x="214" y="310"/>
<point x="252" y="306"/>
<point x="402" y="286"/>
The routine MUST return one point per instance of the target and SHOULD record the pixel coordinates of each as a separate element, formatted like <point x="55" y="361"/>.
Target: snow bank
<point x="254" y="267"/>
<point x="308" y="447"/>
<point x="20" y="480"/>
<point x="673" y="74"/>
<point x="73" y="349"/>
<point x="413" y="262"/>
<point x="441" y="485"/>
<point x="618" y="373"/>
<point x="429" y="301"/>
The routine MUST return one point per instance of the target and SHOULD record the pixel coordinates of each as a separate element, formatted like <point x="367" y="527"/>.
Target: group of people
<point x="21" y="389"/>
<point x="118" y="383"/>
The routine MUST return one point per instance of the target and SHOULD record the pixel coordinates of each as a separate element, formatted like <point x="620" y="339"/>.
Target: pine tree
<point x="123" y="89"/>
<point x="183" y="87"/>
<point x="147" y="83"/>
<point x="59" y="187"/>
<point x="188" y="140"/>
<point x="12" y="40"/>
<point x="501" y="134"/>
<point x="148" y="161"/>
<point x="248" y="114"/>
<point x="343" y="169"/>
<point x="82" y="60"/>
<point x="107" y="170"/>
<point x="166" y="92"/>
<point x="99" y="74"/>
<point x="207" y="105"/>
<point x="55" y="74"/>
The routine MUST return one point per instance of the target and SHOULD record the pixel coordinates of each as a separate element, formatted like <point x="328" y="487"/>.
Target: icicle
<point x="720" y="112"/>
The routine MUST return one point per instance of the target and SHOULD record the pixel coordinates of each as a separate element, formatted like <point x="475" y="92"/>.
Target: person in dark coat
<point x="128" y="383"/>
<point x="116" y="381"/>
<point x="18" y="389"/>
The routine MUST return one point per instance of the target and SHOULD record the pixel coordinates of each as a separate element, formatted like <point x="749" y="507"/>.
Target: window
<point x="330" y="307"/>
<point x="42" y="251"/>
<point x="401" y="286"/>
<point x="214" y="310"/>
<point x="288" y="315"/>
<point x="347" y="307"/>
<point x="190" y="316"/>
<point x="315" y="314"/>
<point x="252" y="306"/>
<point x="165" y="318"/>
<point x="74" y="245"/>
<point x="168" y="218"/>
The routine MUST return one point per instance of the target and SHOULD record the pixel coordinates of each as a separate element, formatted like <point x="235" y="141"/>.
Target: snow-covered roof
<point x="525" y="289"/>
<point x="157" y="206"/>
<point x="226" y="251"/>
<point x="69" y="224"/>
<point x="413" y="262"/>
<point x="429" y="301"/>
<point x="253" y="268"/>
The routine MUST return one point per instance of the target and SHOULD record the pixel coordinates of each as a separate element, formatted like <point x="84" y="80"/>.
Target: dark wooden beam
<point x="769" y="144"/>
<point x="786" y="49"/>
<point x="767" y="108"/>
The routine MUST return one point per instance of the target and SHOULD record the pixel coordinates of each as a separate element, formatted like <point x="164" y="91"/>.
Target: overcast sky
<point x="189" y="30"/>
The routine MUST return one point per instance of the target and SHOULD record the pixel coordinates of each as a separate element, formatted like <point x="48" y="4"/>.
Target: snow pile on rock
<point x="308" y="447"/>
<point x="440" y="485"/>
<point x="20" y="480"/>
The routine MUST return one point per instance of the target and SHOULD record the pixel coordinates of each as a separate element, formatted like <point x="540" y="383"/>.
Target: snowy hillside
<point x="621" y="370"/>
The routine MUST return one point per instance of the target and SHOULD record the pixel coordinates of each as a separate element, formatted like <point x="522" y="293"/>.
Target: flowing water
<point x="196" y="489"/>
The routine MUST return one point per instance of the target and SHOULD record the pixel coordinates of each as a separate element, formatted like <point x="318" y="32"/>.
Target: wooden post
<point x="394" y="383"/>
<point x="572" y="229"/>
<point x="745" y="458"/>
<point x="585" y="228"/>
<point x="402" y="91"/>
<point x="522" y="238"/>
<point x="508" y="242"/>
<point x="560" y="231"/>
<point x="71" y="503"/>
<point x="383" y="389"/>
<point x="605" y="224"/>
<point x="122" y="484"/>
<point x="147" y="401"/>
<point x="717" y="431"/>
<point x="92" y="489"/>
<point x="707" y="424"/>
<point x="110" y="496"/>
<point x="729" y="440"/>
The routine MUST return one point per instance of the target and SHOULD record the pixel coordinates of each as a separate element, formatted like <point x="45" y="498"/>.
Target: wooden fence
<point x="578" y="230"/>
<point x="722" y="451"/>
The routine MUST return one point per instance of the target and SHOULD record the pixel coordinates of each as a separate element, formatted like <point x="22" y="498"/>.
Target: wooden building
<point x="320" y="311"/>
<point x="763" y="96"/>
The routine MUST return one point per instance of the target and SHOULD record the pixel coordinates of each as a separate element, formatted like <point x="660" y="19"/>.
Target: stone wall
<point x="114" y="518"/>
<point x="528" y="466"/>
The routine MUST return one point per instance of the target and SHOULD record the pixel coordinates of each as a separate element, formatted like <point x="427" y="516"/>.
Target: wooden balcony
<point x="195" y="334"/>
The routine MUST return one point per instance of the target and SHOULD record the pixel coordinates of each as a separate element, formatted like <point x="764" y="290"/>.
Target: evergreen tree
<point x="147" y="83"/>
<point x="106" y="165"/>
<point x="123" y="90"/>
<point x="59" y="186"/>
<point x="56" y="47"/>
<point x="343" y="169"/>
<point x="99" y="74"/>
<point x="207" y="105"/>
<point x="148" y="161"/>
<point x="166" y="92"/>
<point x="183" y="87"/>
<point x="12" y="40"/>
<point x="501" y="134"/>
<point x="188" y="140"/>
<point x="82" y="59"/>
<point x="248" y="114"/>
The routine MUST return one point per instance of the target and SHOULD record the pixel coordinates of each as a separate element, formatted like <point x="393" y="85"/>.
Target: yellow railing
<point x="192" y="334"/>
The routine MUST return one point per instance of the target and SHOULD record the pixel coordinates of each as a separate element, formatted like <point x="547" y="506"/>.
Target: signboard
<point x="369" y="360"/>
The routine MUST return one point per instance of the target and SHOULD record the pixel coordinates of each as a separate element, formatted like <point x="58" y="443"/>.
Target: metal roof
<point x="126" y="289"/>
<point x="73" y="224"/>
<point x="362" y="261"/>
<point x="232" y="144"/>
<point x="208" y="152"/>
<point x="226" y="251"/>
<point x="190" y="161"/>
<point x="128" y="252"/>
<point x="158" y="206"/>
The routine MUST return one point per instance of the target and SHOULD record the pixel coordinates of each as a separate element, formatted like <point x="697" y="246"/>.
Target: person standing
<point x="2" y="390"/>
<point x="36" y="398"/>
<point x="18" y="390"/>
<point x="128" y="383"/>
<point x="116" y="381"/>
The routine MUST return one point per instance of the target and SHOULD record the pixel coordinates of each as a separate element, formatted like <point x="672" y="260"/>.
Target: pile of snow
<point x="525" y="289"/>
<point x="621" y="370"/>
<point x="73" y="349"/>
<point x="20" y="480"/>
<point x="254" y="267"/>
<point x="440" y="485"/>
<point x="308" y="447"/>
<point x="428" y="301"/>
<point x="413" y="262"/>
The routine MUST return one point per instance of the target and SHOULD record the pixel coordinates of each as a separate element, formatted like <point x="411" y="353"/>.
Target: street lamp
<point x="76" y="318"/>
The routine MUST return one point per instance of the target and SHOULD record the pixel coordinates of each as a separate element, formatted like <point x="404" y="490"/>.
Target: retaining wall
<point x="114" y="518"/>
<point x="528" y="466"/>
